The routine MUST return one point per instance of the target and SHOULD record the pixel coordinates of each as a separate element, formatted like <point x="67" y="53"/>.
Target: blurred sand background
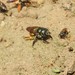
<point x="18" y="57"/>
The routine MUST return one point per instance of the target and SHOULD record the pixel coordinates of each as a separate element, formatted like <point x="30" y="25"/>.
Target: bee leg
<point x="45" y="41"/>
<point x="29" y="38"/>
<point x="51" y="37"/>
<point x="35" y="40"/>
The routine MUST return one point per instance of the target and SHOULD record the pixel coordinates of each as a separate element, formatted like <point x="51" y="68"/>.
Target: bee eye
<point x="47" y="33"/>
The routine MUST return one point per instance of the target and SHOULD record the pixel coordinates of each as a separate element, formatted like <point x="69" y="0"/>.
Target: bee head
<point x="48" y="33"/>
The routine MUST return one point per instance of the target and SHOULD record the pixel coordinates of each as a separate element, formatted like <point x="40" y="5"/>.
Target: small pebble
<point x="70" y="49"/>
<point x="2" y="17"/>
<point x="36" y="3"/>
<point x="1" y="39"/>
<point x="32" y="14"/>
<point x="54" y="1"/>
<point x="2" y="24"/>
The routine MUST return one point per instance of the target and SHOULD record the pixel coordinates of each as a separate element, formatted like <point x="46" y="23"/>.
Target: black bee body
<point x="42" y="34"/>
<point x="3" y="7"/>
<point x="39" y="33"/>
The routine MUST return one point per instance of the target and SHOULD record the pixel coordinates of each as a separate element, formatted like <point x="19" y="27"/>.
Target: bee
<point x="64" y="33"/>
<point x="20" y="3"/>
<point x="3" y="8"/>
<point x="38" y="33"/>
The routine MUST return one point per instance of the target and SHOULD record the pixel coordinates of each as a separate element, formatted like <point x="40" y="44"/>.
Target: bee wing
<point x="31" y="29"/>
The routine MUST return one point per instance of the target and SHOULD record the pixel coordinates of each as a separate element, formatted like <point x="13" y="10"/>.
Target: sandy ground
<point x="18" y="57"/>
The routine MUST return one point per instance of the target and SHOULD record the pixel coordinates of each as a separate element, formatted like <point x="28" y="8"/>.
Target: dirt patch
<point x="18" y="57"/>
